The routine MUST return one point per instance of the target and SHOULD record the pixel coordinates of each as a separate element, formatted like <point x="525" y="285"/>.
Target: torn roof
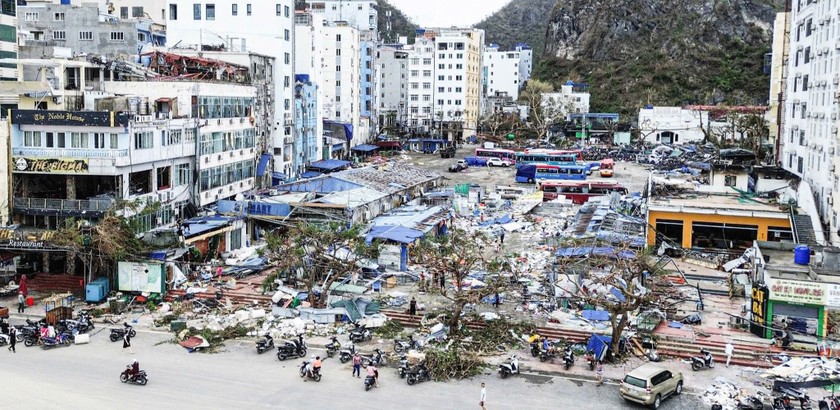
<point x="352" y="198"/>
<point x="389" y="178"/>
<point x="421" y="218"/>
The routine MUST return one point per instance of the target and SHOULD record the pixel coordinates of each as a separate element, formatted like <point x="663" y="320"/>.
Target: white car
<point x="498" y="162"/>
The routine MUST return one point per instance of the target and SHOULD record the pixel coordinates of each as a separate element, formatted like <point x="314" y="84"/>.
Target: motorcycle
<point x="140" y="378"/>
<point x="704" y="361"/>
<point x="5" y="339"/>
<point x="344" y="355"/>
<point x="360" y="334"/>
<point x="266" y="344"/>
<point x="829" y="403"/>
<point x="117" y="333"/>
<point x="402" y="345"/>
<point x="568" y="358"/>
<point x="749" y="403"/>
<point x="510" y="367"/>
<point x="316" y="373"/>
<point x="535" y="348"/>
<point x="590" y="359"/>
<point x="403" y="368"/>
<point x="333" y="346"/>
<point x="82" y="324"/>
<point x="551" y="353"/>
<point x="30" y="340"/>
<point x="290" y="349"/>
<point x="377" y="358"/>
<point x="418" y="374"/>
<point x="796" y="394"/>
<point x="62" y="339"/>
<point x="369" y="382"/>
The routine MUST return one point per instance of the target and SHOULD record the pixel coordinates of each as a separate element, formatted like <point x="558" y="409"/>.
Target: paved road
<point x="86" y="377"/>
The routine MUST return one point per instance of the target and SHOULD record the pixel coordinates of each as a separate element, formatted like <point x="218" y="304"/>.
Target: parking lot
<point x="630" y="174"/>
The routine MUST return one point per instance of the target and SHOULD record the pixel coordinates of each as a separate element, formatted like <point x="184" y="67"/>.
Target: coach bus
<point x="579" y="192"/>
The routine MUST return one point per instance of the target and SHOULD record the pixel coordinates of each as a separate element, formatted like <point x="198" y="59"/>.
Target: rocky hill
<point x="519" y="21"/>
<point x="398" y="24"/>
<point x="662" y="52"/>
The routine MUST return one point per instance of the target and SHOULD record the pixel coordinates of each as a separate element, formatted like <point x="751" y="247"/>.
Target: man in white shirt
<point x="483" y="396"/>
<point x="729" y="350"/>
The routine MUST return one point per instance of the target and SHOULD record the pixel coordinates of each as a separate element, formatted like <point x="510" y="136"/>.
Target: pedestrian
<point x="23" y="286"/>
<point x="127" y="343"/>
<point x="12" y="339"/>
<point x="412" y="307"/>
<point x="21" y="302"/>
<point x="496" y="301"/>
<point x="599" y="373"/>
<point x="502" y="237"/>
<point x="422" y="282"/>
<point x="483" y="396"/>
<point x="357" y="365"/>
<point x="729" y="350"/>
<point x="442" y="280"/>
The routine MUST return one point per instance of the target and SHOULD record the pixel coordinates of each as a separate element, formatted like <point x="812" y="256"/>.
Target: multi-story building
<point x="8" y="49"/>
<point x="261" y="27"/>
<point x="421" y="86"/>
<point x="526" y="62"/>
<point x="810" y="112"/>
<point x="671" y="125"/>
<point x="341" y="75"/>
<point x="778" y="77"/>
<point x="361" y="14"/>
<point x="307" y="124"/>
<point x="393" y="85"/>
<point x="505" y="71"/>
<point x="309" y="58"/>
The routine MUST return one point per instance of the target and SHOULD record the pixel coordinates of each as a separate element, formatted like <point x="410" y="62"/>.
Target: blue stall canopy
<point x="399" y="234"/>
<point x="365" y="148"/>
<point x="599" y="344"/>
<point x="263" y="164"/>
<point x="329" y="164"/>
<point x="334" y="128"/>
<point x="309" y="174"/>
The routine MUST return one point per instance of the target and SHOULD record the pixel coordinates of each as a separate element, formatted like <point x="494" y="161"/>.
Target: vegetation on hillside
<point x="400" y="24"/>
<point x="519" y="21"/>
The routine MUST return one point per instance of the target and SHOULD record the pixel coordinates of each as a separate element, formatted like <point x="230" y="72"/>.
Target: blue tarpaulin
<point x="365" y="148"/>
<point x="500" y="220"/>
<point x="329" y="164"/>
<point x="618" y="295"/>
<point x="309" y="174"/>
<point x="596" y="315"/>
<point x="263" y="164"/>
<point x="599" y="344"/>
<point x="399" y="234"/>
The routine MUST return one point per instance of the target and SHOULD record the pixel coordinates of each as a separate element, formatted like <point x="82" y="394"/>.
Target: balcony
<point x="288" y="140"/>
<point x="70" y="207"/>
<point x="71" y="152"/>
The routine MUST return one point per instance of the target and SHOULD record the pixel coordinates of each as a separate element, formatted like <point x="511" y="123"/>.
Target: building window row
<point x="216" y="142"/>
<point x="226" y="174"/>
<point x="41" y="139"/>
<point x="222" y="107"/>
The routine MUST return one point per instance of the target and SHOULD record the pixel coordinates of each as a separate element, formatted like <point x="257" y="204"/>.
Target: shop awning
<point x="365" y="148"/>
<point x="279" y="175"/>
<point x="337" y="147"/>
<point x="263" y="164"/>
<point x="309" y="174"/>
<point x="329" y="164"/>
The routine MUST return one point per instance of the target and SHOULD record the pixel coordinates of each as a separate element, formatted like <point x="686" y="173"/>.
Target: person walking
<point x="729" y="350"/>
<point x="442" y="279"/>
<point x="357" y="365"/>
<point x="599" y="373"/>
<point x="502" y="237"/>
<point x="21" y="302"/>
<point x="412" y="307"/>
<point x="12" y="339"/>
<point x="483" y="397"/>
<point x="127" y="343"/>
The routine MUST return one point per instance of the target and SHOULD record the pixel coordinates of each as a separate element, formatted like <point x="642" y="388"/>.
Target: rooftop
<point x="779" y="263"/>
<point x="676" y="195"/>
<point x="388" y="178"/>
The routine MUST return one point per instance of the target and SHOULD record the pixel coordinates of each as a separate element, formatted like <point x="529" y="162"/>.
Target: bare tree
<point x="544" y="110"/>
<point x="646" y="129"/>
<point x="315" y="257"/>
<point x="456" y="255"/>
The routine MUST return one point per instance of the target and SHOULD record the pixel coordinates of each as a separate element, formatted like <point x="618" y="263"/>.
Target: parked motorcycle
<point x="749" y="403"/>
<point x="265" y="344"/>
<point x="293" y="348"/>
<point x="82" y="325"/>
<point x="344" y="355"/>
<point x="402" y="345"/>
<point x="61" y="339"/>
<point x="704" y="361"/>
<point x="510" y="367"/>
<point x="5" y="339"/>
<point x="403" y="368"/>
<point x="30" y="340"/>
<point x="590" y="359"/>
<point x="140" y="378"/>
<point x="377" y="359"/>
<point x="829" y="403"/>
<point x="118" y="333"/>
<point x="316" y="373"/>
<point x="360" y="334"/>
<point x="418" y="374"/>
<point x="794" y="395"/>
<point x="333" y="346"/>
<point x="568" y="358"/>
<point x="535" y="348"/>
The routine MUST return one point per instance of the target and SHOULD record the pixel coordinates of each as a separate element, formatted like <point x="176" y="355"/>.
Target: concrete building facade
<point x="671" y="125"/>
<point x="456" y="108"/>
<point x="393" y="82"/>
<point x="341" y="80"/>
<point x="505" y="71"/>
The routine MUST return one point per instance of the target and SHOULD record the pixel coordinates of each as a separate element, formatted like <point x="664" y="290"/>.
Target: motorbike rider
<point x="134" y="369"/>
<point x="546" y="346"/>
<point x="372" y="371"/>
<point x="316" y="365"/>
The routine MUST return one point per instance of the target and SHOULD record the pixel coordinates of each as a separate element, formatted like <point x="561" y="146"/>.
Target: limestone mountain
<point x="663" y="52"/>
<point x="393" y="26"/>
<point x="519" y="21"/>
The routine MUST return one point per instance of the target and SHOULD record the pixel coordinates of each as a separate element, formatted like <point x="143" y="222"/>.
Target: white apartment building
<point x="360" y="14"/>
<point x="571" y="99"/>
<point x="810" y="112"/>
<point x="393" y="85"/>
<point x="341" y="77"/>
<point x="154" y="10"/>
<point x="671" y="125"/>
<point x="457" y="98"/>
<point x="526" y="62"/>
<point x="422" y="86"/>
<point x="309" y="58"/>
<point x="261" y="27"/>
<point x="505" y="71"/>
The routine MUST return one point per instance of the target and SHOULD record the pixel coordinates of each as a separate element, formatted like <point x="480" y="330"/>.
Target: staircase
<point x="46" y="283"/>
<point x="803" y="229"/>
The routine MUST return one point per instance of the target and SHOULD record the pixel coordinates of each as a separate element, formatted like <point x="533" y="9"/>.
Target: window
<point x="123" y="12"/>
<point x="86" y="35"/>
<point x="427" y="73"/>
<point x="441" y="66"/>
<point x="286" y="11"/>
<point x="807" y="57"/>
<point x="98" y="140"/>
<point x="196" y="11"/>
<point x="248" y="9"/>
<point x="427" y="61"/>
<point x="338" y="37"/>
<point x="115" y="140"/>
<point x="234" y="9"/>
<point x="79" y="140"/>
<point x="278" y="9"/>
<point x="415" y="86"/>
<point x="30" y="16"/>
<point x="173" y="137"/>
<point x="117" y="36"/>
<point x="143" y="140"/>
<point x="730" y="180"/>
<point x="415" y="73"/>
<point x="287" y="58"/>
<point x="427" y="86"/>
<point x="141" y="37"/>
<point x="414" y="97"/>
<point x="286" y="35"/>
<point x="427" y="98"/>
<point x="459" y="55"/>
<point x="458" y="78"/>
<point x="805" y="82"/>
<point x="443" y="46"/>
<point x="457" y="102"/>
<point x="32" y="138"/>
<point x="137" y="12"/>
<point x="799" y="165"/>
<point x="164" y="175"/>
<point x="338" y="83"/>
<point x="458" y="89"/>
<point x="338" y="51"/>
<point x="459" y="66"/>
<point x="441" y="78"/>
<point x="59" y="35"/>
<point x="173" y="12"/>
<point x="440" y="89"/>
<point x="182" y="175"/>
<point x="58" y="16"/>
<point x="210" y="11"/>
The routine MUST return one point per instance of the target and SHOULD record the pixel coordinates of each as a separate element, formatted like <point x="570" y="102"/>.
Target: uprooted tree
<point x="315" y="256"/>
<point x="457" y="255"/>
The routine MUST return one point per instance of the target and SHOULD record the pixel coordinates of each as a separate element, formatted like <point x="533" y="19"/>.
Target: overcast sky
<point x="446" y="13"/>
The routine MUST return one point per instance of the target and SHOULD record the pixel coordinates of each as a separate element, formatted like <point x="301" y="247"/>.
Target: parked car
<point x="649" y="384"/>
<point x="498" y="162"/>
<point x="458" y="166"/>
<point x="447" y="152"/>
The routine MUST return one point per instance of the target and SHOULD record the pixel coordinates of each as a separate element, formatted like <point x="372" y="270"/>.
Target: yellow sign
<point x="794" y="291"/>
<point x="51" y="165"/>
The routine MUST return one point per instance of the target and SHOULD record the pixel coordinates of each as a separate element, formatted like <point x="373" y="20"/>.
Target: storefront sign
<point x="794" y="291"/>
<point x="51" y="165"/>
<point x="758" y="309"/>
<point x="69" y="118"/>
<point x="832" y="294"/>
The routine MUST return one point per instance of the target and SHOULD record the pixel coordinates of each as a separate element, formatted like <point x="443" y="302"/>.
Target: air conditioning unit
<point x="206" y="159"/>
<point x="231" y="154"/>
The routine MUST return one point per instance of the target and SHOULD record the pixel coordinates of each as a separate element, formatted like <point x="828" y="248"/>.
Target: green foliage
<point x="519" y="21"/>
<point x="453" y="364"/>
<point x="401" y="25"/>
<point x="389" y="330"/>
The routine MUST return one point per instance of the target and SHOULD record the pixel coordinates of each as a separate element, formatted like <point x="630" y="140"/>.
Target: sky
<point x="446" y="13"/>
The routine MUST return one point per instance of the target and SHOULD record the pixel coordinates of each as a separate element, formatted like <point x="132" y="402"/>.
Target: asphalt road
<point x="86" y="377"/>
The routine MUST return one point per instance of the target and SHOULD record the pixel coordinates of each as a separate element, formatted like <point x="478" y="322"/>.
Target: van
<point x="649" y="384"/>
<point x="447" y="152"/>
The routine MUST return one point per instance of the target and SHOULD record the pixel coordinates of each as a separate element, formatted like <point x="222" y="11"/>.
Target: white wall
<point x="503" y="70"/>
<point x="342" y="102"/>
<point x="684" y="124"/>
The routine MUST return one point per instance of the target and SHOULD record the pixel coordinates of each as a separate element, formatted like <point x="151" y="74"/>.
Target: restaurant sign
<point x="51" y="165"/>
<point x="795" y="291"/>
<point x="69" y="118"/>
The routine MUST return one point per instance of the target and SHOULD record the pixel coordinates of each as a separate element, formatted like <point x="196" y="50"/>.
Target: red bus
<point x="579" y="192"/>
<point x="576" y="152"/>
<point x="505" y="154"/>
<point x="607" y="166"/>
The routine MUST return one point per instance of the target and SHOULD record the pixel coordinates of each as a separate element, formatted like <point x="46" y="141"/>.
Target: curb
<point x="590" y="378"/>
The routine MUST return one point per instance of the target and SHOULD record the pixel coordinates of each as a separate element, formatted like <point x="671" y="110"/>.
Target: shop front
<point x="805" y="308"/>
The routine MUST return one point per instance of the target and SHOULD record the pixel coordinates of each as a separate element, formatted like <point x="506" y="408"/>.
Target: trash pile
<point x="724" y="393"/>
<point x="804" y="370"/>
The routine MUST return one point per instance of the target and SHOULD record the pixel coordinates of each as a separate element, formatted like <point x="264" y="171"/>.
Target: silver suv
<point x="649" y="384"/>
